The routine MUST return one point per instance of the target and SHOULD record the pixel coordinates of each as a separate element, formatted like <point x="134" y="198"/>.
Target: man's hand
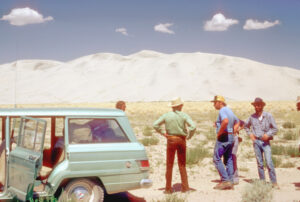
<point x="265" y="138"/>
<point x="252" y="137"/>
<point x="164" y="134"/>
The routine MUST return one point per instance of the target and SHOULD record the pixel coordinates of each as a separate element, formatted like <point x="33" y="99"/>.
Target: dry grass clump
<point x="290" y="135"/>
<point x="195" y="155"/>
<point x="291" y="151"/>
<point x="173" y="198"/>
<point x="288" y="124"/>
<point x="147" y="131"/>
<point x="147" y="141"/>
<point x="258" y="191"/>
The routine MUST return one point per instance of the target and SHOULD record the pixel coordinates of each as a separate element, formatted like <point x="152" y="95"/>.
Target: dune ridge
<point x="145" y="76"/>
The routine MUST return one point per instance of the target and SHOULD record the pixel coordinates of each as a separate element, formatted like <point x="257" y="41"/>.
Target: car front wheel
<point x="82" y="190"/>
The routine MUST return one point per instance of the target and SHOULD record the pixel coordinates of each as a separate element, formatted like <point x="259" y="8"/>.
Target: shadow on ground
<point x="123" y="197"/>
<point x="177" y="188"/>
<point x="297" y="185"/>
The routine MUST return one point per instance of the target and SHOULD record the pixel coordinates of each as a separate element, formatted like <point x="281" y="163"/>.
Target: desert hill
<point x="145" y="76"/>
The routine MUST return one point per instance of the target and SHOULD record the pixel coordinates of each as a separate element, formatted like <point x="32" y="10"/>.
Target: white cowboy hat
<point x="176" y="102"/>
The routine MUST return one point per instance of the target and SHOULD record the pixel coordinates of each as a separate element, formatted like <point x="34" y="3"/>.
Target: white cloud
<point x="219" y="23"/>
<point x="122" y="31"/>
<point x="164" y="28"/>
<point x="25" y="16"/>
<point x="251" y="24"/>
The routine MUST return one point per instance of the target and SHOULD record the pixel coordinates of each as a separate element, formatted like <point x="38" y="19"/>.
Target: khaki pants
<point x="176" y="143"/>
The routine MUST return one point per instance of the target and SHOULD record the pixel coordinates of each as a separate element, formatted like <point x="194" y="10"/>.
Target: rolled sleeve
<point x="273" y="127"/>
<point x="191" y="125"/>
<point x="157" y="124"/>
<point x="247" y="126"/>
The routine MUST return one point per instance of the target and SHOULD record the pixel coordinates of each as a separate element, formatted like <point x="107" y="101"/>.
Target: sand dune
<point x="145" y="76"/>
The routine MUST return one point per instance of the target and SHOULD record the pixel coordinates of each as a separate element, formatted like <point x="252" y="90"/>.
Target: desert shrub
<point x="287" y="150"/>
<point x="292" y="151"/>
<point x="278" y="150"/>
<point x="288" y="124"/>
<point x="258" y="191"/>
<point x="147" y="131"/>
<point x="276" y="161"/>
<point x="243" y="169"/>
<point x="287" y="165"/>
<point x="290" y="135"/>
<point x="149" y="141"/>
<point x="173" y="198"/>
<point x="194" y="155"/>
<point x="211" y="134"/>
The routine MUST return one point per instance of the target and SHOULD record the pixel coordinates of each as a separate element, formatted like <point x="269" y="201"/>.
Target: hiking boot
<point x="224" y="185"/>
<point x="275" y="186"/>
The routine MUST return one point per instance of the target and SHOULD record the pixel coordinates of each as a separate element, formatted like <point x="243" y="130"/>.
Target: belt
<point x="180" y="136"/>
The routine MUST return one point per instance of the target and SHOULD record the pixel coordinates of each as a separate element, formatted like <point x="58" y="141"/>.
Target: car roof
<point x="60" y="112"/>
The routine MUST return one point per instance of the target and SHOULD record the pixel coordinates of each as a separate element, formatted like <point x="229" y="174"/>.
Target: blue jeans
<point x="234" y="159"/>
<point x="263" y="148"/>
<point x="223" y="148"/>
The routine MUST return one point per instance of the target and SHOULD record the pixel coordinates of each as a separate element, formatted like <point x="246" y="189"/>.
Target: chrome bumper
<point x="146" y="183"/>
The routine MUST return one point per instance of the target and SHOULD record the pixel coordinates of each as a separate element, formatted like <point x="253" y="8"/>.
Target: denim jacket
<point x="266" y="126"/>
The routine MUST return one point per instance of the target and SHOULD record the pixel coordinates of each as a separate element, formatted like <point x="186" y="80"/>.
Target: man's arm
<point x="223" y="127"/>
<point x="191" y="127"/>
<point x="273" y="127"/>
<point x="248" y="130"/>
<point x="157" y="125"/>
<point x="272" y="130"/>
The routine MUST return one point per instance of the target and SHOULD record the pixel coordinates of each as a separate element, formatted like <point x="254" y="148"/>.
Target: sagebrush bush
<point x="194" y="155"/>
<point x="288" y="124"/>
<point x="288" y="165"/>
<point x="276" y="161"/>
<point x="292" y="151"/>
<point x="290" y="135"/>
<point x="258" y="191"/>
<point x="150" y="141"/>
<point x="285" y="150"/>
<point x="147" y="131"/>
<point x="278" y="150"/>
<point x="173" y="198"/>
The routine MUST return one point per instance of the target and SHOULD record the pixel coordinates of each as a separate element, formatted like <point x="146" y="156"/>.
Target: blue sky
<point x="65" y="30"/>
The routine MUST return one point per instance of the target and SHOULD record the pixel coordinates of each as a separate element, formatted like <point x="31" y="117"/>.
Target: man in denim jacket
<point x="261" y="128"/>
<point x="225" y="125"/>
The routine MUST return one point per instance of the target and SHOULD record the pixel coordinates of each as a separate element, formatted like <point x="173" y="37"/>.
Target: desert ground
<point x="201" y="171"/>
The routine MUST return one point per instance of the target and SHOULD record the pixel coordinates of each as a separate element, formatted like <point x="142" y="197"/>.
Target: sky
<point x="266" y="31"/>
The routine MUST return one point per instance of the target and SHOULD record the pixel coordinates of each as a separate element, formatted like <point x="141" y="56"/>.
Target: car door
<point x="24" y="162"/>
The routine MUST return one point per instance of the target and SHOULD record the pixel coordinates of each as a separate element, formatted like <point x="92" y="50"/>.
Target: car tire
<point x="82" y="190"/>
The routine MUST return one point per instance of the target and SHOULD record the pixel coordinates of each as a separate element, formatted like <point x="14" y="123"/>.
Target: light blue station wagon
<point x="69" y="153"/>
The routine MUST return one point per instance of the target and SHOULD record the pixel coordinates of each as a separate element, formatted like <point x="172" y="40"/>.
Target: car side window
<point x="85" y="130"/>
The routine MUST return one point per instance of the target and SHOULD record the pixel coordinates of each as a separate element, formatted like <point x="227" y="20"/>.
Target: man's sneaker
<point x="275" y="186"/>
<point x="224" y="185"/>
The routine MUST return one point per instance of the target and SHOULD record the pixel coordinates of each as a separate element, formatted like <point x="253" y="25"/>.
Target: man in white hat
<point x="178" y="127"/>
